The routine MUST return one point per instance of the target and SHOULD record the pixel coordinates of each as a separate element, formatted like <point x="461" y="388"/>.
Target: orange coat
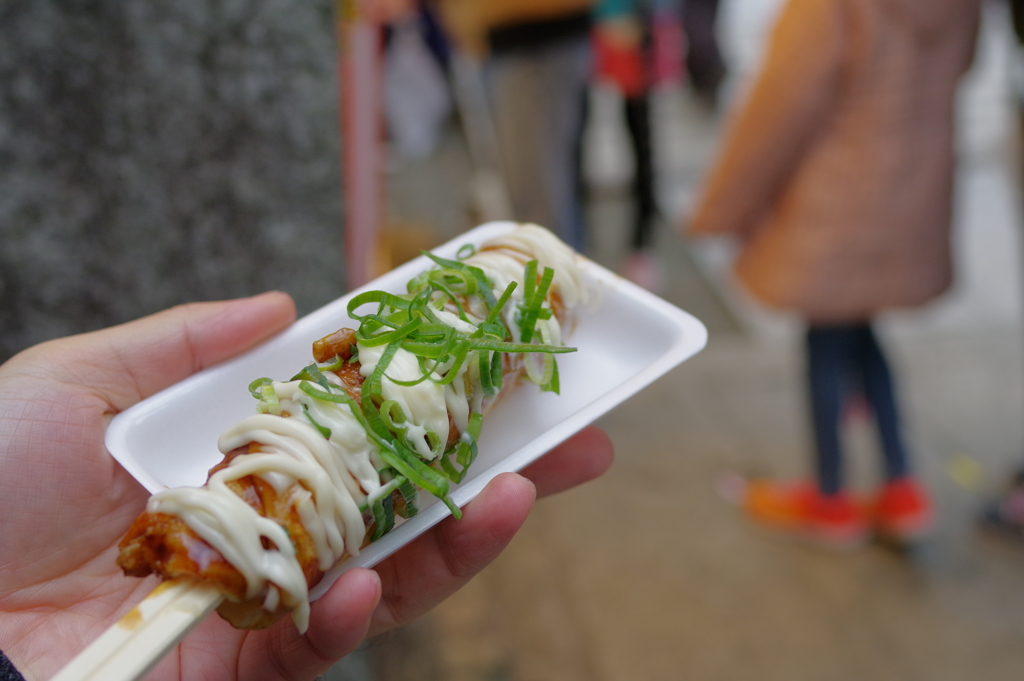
<point x="837" y="171"/>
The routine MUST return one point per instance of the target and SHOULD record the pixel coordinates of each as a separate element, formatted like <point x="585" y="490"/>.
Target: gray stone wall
<point x="159" y="152"/>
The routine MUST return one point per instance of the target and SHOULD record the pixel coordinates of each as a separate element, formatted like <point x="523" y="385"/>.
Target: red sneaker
<point x="835" y="521"/>
<point x="903" y="510"/>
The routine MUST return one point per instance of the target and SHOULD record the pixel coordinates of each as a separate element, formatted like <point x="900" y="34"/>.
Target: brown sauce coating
<point x="338" y="343"/>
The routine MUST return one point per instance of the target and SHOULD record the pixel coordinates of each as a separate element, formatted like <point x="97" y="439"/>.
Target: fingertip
<point x="509" y="492"/>
<point x="279" y="300"/>
<point x="581" y="458"/>
<point x="357" y="590"/>
<point x="374" y="584"/>
<point x="491" y="520"/>
<point x="272" y="310"/>
<point x="339" y="621"/>
<point x="513" y="484"/>
<point x="601" y="451"/>
<point x="217" y="331"/>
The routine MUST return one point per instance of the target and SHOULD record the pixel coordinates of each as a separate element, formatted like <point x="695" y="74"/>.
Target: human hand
<point x="65" y="504"/>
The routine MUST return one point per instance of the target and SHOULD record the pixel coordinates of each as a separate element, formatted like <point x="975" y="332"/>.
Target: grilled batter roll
<point x="333" y="455"/>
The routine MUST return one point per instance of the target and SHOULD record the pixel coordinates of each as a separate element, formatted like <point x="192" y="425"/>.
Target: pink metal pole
<point x="361" y="73"/>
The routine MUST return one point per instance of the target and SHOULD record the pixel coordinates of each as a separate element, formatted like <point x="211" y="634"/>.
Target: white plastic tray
<point x="627" y="338"/>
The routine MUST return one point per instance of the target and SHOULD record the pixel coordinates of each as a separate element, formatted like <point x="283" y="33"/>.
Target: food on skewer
<point x="337" y="452"/>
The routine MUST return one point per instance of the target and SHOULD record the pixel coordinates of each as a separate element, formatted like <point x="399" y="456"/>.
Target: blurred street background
<point x="647" y="573"/>
<point x="157" y="154"/>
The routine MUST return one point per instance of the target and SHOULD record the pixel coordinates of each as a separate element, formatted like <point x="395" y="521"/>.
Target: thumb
<point x="127" y="363"/>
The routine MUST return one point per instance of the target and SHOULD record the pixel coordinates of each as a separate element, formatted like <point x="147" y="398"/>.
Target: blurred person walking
<point x="538" y="66"/>
<point x="836" y="174"/>
<point x="623" y="43"/>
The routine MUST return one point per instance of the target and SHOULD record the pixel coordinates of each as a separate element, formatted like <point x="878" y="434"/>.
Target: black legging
<point x="841" y="360"/>
<point x="638" y="114"/>
<point x="704" y="63"/>
<point x="637" y="107"/>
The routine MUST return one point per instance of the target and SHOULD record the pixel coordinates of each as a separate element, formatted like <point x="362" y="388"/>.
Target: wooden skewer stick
<point x="135" y="643"/>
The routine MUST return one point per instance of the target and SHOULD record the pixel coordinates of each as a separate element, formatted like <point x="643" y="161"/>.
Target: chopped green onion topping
<point x="254" y="387"/>
<point x="312" y="373"/>
<point x="533" y="301"/>
<point x="383" y="516"/>
<point x="269" y="404"/>
<point x="408" y="492"/>
<point x="465" y="451"/>
<point x="412" y="322"/>
<point x="332" y="365"/>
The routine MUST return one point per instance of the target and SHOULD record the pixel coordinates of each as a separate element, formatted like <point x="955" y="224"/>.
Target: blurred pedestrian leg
<point x="842" y="360"/>
<point x="625" y="56"/>
<point x="539" y="90"/>
<point x="704" y="63"/>
<point x="641" y="266"/>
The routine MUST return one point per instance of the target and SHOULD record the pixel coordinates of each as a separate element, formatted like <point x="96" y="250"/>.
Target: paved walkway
<point x="648" y="574"/>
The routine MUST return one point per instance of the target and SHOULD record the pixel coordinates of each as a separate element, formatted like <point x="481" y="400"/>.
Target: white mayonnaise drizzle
<point x="334" y="477"/>
<point x="544" y="247"/>
<point x="326" y="480"/>
<point x="423" y="403"/>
